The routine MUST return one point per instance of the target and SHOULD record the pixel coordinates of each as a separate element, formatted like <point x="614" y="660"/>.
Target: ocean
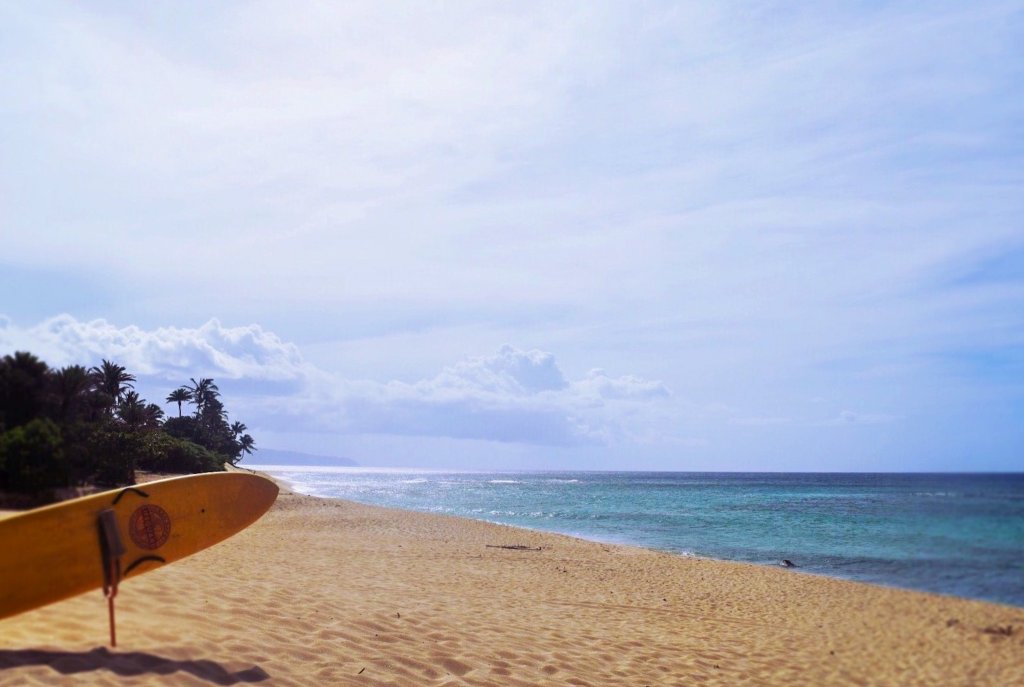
<point x="958" y="534"/>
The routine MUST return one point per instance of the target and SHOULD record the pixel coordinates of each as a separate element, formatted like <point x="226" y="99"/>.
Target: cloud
<point x="598" y="385"/>
<point x="211" y="350"/>
<point x="511" y="372"/>
<point x="763" y="421"/>
<point x="514" y="395"/>
<point x="511" y="396"/>
<point x="849" y="417"/>
<point x="581" y="140"/>
<point x="758" y="206"/>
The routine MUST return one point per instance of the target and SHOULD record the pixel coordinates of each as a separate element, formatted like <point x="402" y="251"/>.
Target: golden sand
<point x="323" y="592"/>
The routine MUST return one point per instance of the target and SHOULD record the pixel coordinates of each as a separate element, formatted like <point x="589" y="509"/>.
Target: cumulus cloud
<point x="511" y="396"/>
<point x="211" y="350"/>
<point x="514" y="395"/>
<point x="598" y="385"/>
<point x="511" y="372"/>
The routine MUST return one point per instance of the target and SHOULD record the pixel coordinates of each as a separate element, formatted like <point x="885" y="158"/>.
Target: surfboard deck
<point x="54" y="552"/>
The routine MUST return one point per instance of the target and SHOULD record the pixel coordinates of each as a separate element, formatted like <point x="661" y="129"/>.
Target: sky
<point x="632" y="235"/>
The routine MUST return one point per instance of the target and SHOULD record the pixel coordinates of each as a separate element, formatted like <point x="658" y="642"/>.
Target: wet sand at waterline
<point x="324" y="592"/>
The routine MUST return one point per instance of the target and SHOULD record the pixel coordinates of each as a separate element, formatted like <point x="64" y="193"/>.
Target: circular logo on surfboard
<point x="149" y="527"/>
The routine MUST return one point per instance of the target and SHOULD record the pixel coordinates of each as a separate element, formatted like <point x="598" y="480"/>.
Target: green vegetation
<point x="75" y="426"/>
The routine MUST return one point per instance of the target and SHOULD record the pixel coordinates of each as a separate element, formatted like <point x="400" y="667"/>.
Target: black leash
<point x="111" y="550"/>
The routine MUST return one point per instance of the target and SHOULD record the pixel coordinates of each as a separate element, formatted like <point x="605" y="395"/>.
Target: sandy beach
<point x="323" y="592"/>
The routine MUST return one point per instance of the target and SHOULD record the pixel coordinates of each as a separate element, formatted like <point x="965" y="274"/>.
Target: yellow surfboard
<point x="93" y="542"/>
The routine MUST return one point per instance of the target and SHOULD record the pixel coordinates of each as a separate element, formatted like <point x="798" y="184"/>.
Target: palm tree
<point x="214" y="423"/>
<point x="138" y="414"/>
<point x="203" y="392"/>
<point x="24" y="379"/>
<point x="179" y="396"/>
<point x="151" y="416"/>
<point x="246" y="443"/>
<point x="70" y="385"/>
<point x="113" y="380"/>
<point x="238" y="428"/>
<point x="132" y="410"/>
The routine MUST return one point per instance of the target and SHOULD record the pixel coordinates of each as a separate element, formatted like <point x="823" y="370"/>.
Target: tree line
<point x="76" y="426"/>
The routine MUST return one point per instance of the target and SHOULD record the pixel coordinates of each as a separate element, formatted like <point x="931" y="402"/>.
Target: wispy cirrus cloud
<point x="756" y="206"/>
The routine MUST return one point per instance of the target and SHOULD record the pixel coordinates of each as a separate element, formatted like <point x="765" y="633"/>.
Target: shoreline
<point x="327" y="591"/>
<point x="799" y="567"/>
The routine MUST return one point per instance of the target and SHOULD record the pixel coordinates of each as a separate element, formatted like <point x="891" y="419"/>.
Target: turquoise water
<point x="960" y="534"/>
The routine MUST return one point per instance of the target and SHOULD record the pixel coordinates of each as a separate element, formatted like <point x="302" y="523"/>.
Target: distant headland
<point x="271" y="456"/>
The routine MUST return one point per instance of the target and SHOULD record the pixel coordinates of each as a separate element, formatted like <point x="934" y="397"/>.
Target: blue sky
<point x="607" y="235"/>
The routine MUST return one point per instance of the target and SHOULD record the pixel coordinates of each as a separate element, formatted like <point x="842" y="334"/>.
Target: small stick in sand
<point x="515" y="547"/>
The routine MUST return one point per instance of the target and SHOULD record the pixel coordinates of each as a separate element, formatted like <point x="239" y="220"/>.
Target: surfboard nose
<point x="264" y="491"/>
<point x="253" y="495"/>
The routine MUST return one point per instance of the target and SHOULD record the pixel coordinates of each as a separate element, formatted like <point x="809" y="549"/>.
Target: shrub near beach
<point x="77" y="426"/>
